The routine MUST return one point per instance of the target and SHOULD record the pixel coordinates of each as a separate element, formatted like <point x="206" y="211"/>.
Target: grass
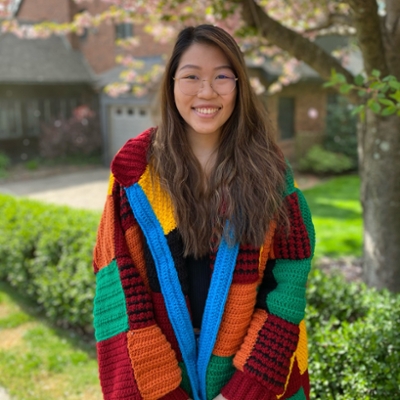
<point x="39" y="362"/>
<point x="336" y="212"/>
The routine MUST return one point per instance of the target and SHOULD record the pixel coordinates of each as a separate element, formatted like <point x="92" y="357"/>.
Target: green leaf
<point x="329" y="84"/>
<point x="359" y="80"/>
<point x="396" y="96"/>
<point x="358" y="109"/>
<point x="386" y="102"/>
<point x="379" y="86"/>
<point x="341" y="78"/>
<point x="389" y="110"/>
<point x="376" y="73"/>
<point x="362" y="93"/>
<point x="389" y="78"/>
<point x="394" y="85"/>
<point x="345" y="88"/>
<point x="374" y="106"/>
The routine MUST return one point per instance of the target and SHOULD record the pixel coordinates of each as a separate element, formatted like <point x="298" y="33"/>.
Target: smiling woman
<point x="205" y="244"/>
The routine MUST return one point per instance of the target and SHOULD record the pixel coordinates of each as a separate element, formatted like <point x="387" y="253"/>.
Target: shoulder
<point x="131" y="160"/>
<point x="290" y="184"/>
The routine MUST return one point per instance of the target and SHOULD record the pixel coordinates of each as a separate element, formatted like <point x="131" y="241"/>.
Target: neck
<point x="204" y="148"/>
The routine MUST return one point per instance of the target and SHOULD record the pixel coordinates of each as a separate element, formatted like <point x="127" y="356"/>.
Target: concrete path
<point x="86" y="189"/>
<point x="3" y="394"/>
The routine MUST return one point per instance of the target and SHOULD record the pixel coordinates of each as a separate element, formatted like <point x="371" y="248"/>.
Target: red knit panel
<point x="125" y="212"/>
<point x="247" y="266"/>
<point x="241" y="386"/>
<point x="295" y="381"/>
<point x="269" y="362"/>
<point x="130" y="162"/>
<point x="116" y="375"/>
<point x="306" y="384"/>
<point x="161" y="316"/>
<point x="138" y="300"/>
<point x="177" y="394"/>
<point x="296" y="245"/>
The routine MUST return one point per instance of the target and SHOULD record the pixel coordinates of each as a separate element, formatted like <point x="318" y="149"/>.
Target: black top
<point x="199" y="282"/>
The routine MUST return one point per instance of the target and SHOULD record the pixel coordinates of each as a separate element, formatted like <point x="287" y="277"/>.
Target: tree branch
<point x="332" y="21"/>
<point x="369" y="34"/>
<point x="291" y="41"/>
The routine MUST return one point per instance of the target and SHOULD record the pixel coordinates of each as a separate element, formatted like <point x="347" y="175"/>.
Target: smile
<point x="206" y="111"/>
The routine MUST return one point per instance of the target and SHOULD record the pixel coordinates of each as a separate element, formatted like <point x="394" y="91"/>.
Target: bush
<point x="323" y="162"/>
<point x="4" y="164"/>
<point x="341" y="129"/>
<point x="353" y="340"/>
<point x="46" y="253"/>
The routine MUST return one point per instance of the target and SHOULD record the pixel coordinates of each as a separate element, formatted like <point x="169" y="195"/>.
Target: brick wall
<point x="41" y="10"/>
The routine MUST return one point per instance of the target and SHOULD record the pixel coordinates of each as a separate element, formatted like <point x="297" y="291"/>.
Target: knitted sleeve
<point x="272" y="361"/>
<point x="136" y="361"/>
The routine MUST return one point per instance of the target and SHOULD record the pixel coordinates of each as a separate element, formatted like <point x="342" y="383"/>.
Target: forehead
<point x="203" y="56"/>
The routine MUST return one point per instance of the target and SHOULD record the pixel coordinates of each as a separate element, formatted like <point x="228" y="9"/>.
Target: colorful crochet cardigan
<point x="253" y="342"/>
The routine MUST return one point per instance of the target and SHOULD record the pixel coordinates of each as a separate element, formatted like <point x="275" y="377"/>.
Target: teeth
<point x="206" y="110"/>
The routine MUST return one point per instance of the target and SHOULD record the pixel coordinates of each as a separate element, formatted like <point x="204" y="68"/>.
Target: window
<point x="10" y="119"/>
<point x="286" y="117"/>
<point x="124" y="30"/>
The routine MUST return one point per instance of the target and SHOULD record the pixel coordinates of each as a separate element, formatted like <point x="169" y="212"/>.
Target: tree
<point x="287" y="29"/>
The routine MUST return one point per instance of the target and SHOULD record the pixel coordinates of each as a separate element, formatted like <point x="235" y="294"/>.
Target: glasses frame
<point x="201" y="87"/>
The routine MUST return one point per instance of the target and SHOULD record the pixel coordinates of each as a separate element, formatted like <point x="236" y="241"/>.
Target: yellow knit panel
<point x="153" y="362"/>
<point x="159" y="199"/>
<point x="110" y="184"/>
<point x="302" y="350"/>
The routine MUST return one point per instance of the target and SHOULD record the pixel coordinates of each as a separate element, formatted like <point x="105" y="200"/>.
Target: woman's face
<point x="207" y="111"/>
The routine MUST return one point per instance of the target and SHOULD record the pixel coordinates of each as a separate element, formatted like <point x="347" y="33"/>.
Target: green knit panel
<point x="299" y="395"/>
<point x="110" y="314"/>
<point x="289" y="188"/>
<point x="305" y="212"/>
<point x="185" y="384"/>
<point x="288" y="300"/>
<point x="219" y="371"/>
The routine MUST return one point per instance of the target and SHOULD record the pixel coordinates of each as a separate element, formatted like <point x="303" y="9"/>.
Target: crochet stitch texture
<point x="253" y="342"/>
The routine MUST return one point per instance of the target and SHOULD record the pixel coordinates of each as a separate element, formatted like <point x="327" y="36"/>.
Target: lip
<point x="206" y="107"/>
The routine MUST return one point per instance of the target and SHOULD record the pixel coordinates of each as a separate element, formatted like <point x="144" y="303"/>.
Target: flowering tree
<point x="285" y="31"/>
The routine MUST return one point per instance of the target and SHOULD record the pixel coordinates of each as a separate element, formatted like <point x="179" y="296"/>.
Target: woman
<point x="204" y="245"/>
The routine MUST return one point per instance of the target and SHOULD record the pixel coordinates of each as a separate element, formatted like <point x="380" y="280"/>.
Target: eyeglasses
<point x="192" y="84"/>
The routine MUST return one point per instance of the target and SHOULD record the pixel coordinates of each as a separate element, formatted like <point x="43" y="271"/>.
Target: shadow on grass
<point x="78" y="340"/>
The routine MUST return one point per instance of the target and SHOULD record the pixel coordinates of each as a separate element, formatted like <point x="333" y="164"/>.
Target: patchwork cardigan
<point x="253" y="342"/>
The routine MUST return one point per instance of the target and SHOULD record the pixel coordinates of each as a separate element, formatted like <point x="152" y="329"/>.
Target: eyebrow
<point x="187" y="66"/>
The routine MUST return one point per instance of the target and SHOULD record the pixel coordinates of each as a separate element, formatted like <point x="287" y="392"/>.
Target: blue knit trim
<point x="170" y="286"/>
<point x="214" y="309"/>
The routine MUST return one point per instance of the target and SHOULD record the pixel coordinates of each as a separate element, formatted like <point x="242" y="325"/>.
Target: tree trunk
<point x="379" y="150"/>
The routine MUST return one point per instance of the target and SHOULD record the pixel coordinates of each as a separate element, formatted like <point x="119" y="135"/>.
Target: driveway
<point x="85" y="189"/>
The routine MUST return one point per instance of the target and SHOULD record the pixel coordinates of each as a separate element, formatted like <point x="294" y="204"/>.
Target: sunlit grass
<point x="39" y="362"/>
<point x="336" y="211"/>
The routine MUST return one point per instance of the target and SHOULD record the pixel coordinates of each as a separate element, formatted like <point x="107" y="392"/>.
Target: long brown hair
<point x="247" y="182"/>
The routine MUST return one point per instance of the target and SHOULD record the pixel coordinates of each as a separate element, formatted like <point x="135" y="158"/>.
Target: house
<point x="83" y="65"/>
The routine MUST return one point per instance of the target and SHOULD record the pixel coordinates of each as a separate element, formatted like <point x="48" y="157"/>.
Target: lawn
<point x="39" y="362"/>
<point x="336" y="211"/>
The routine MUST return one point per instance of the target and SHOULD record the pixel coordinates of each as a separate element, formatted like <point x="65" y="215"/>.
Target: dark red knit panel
<point x="130" y="162"/>
<point x="296" y="245"/>
<point x="295" y="381"/>
<point x="246" y="270"/>
<point x="125" y="212"/>
<point x="161" y="317"/>
<point x="138" y="300"/>
<point x="269" y="361"/>
<point x="116" y="375"/>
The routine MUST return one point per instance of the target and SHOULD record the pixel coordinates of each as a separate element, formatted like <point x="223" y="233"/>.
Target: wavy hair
<point x="247" y="181"/>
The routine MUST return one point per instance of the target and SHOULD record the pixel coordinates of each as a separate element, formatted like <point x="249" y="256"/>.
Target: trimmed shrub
<point x="354" y="340"/>
<point x="4" y="164"/>
<point x="46" y="253"/>
<point x="322" y="162"/>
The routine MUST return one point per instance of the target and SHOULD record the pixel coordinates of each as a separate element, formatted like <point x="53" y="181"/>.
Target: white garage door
<point x="127" y="122"/>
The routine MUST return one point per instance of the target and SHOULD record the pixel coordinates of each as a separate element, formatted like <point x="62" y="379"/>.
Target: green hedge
<point x="46" y="253"/>
<point x="354" y="340"/>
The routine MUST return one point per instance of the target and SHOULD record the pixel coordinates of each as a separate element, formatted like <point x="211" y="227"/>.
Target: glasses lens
<point x="221" y="86"/>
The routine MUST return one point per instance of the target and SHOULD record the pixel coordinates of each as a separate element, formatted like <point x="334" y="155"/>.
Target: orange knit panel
<point x="104" y="251"/>
<point x="154" y="363"/>
<point x="239" y="308"/>
<point x="259" y="318"/>
<point x="265" y="249"/>
<point x="134" y="240"/>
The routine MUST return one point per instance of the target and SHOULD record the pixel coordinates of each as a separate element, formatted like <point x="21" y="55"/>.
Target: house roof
<point x="50" y="60"/>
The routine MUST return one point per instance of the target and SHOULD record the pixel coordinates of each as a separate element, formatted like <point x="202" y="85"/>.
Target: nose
<point x="206" y="89"/>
